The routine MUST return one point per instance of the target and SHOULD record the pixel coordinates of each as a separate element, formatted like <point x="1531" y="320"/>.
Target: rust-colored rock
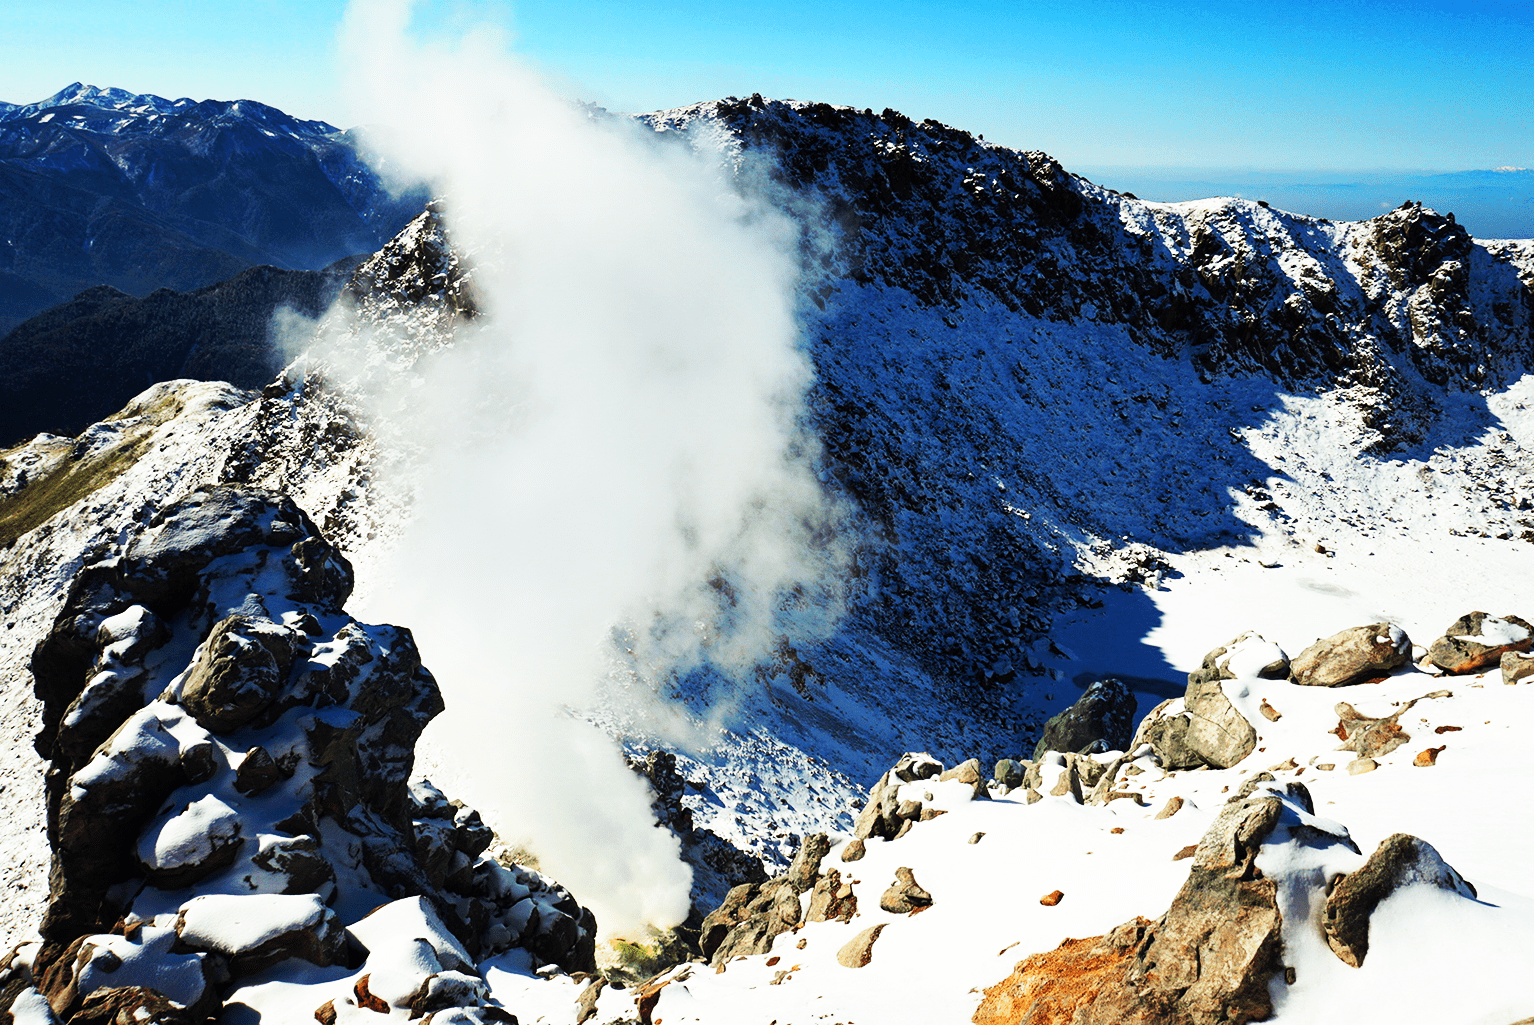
<point x="1428" y="757"/>
<point x="1477" y="642"/>
<point x="1052" y="898"/>
<point x="1053" y="987"/>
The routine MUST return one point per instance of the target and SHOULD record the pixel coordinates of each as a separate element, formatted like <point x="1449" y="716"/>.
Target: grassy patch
<point x="67" y="483"/>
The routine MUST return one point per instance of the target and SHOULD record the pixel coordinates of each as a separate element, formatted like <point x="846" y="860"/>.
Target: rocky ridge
<point x="229" y="787"/>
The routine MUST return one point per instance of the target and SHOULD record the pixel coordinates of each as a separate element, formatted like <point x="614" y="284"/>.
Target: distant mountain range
<point x="1490" y="204"/>
<point x="104" y="186"/>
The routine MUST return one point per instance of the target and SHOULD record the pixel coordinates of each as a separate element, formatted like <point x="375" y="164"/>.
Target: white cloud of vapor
<point x="618" y="430"/>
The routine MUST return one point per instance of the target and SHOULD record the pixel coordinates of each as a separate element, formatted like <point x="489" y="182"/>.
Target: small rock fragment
<point x="859" y="950"/>
<point x="1269" y="712"/>
<point x="1428" y="757"/>
<point x="976" y="838"/>
<point x="1051" y="898"/>
<point x="854" y="850"/>
<point x="1361" y="765"/>
<point x="1173" y="806"/>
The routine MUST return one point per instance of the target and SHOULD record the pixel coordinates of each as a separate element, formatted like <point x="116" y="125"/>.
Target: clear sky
<point x="1341" y="84"/>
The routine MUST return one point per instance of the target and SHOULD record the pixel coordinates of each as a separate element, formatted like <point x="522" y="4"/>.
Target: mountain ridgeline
<point x="102" y="186"/>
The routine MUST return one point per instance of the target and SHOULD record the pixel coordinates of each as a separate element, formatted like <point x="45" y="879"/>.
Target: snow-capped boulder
<point x="1209" y="959"/>
<point x="1248" y="655"/>
<point x="1476" y="642"/>
<point x="255" y="931"/>
<point x="142" y="968"/>
<point x="1359" y="654"/>
<point x="1102" y="719"/>
<point x="1400" y="861"/>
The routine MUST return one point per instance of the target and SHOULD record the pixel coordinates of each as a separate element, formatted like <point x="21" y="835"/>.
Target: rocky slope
<point x="1045" y="402"/>
<point x="103" y="186"/>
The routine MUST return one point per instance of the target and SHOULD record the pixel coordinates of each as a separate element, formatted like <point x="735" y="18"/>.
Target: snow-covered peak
<point x="119" y="111"/>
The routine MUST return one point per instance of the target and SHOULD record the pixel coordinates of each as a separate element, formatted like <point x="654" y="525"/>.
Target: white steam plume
<point x="618" y="429"/>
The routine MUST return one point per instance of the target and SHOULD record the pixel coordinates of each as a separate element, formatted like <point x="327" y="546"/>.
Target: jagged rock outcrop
<point x="1476" y="642"/>
<point x="1101" y="720"/>
<point x="1359" y="654"/>
<point x="754" y="914"/>
<point x="229" y="755"/>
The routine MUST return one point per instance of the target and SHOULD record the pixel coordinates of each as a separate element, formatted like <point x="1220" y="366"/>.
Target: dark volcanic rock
<point x="1102" y="719"/>
<point x="211" y="619"/>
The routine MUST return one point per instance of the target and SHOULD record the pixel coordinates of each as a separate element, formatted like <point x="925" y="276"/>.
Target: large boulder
<point x="1101" y="720"/>
<point x="1359" y="654"/>
<point x="239" y="669"/>
<point x="1400" y="861"/>
<point x="1477" y="642"/>
<point x="1212" y="959"/>
<point x="1209" y="730"/>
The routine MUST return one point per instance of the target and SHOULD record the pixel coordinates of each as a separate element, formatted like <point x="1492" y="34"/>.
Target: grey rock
<point x="914" y="766"/>
<point x="241" y="666"/>
<point x="1358" y="654"/>
<point x="1210" y="958"/>
<point x="1209" y="731"/>
<point x="832" y="899"/>
<point x="1009" y="773"/>
<point x="1216" y="664"/>
<point x="1370" y="737"/>
<point x="859" y="951"/>
<point x="1517" y="666"/>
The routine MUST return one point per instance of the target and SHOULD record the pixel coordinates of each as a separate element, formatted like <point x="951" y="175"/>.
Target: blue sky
<point x="1335" y="85"/>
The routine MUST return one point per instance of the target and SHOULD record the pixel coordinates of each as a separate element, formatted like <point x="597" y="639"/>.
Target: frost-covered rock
<point x="243" y="794"/>
<point x="1249" y="655"/>
<point x="1476" y="642"/>
<point x="1358" y="654"/>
